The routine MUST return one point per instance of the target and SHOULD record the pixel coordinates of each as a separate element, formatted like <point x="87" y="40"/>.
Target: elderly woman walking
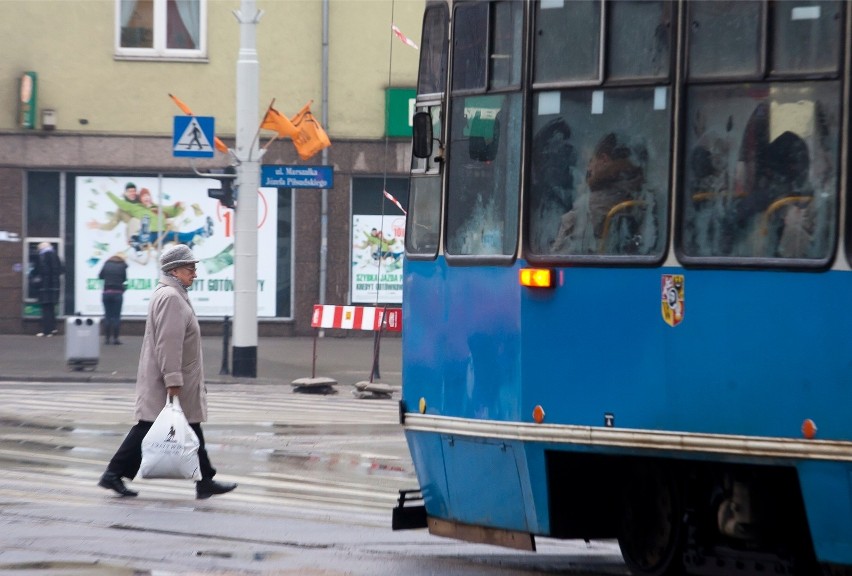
<point x="170" y="365"/>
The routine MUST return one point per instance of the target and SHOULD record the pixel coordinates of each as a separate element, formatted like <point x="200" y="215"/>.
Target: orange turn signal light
<point x="538" y="414"/>
<point x="536" y="277"/>
<point x="809" y="429"/>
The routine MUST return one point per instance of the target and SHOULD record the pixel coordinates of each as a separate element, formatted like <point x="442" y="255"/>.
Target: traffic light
<point x="228" y="183"/>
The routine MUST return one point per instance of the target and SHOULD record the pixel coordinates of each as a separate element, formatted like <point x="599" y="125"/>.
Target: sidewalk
<point x="279" y="360"/>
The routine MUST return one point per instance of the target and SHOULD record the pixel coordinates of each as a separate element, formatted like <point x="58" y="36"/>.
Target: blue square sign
<point x="193" y="137"/>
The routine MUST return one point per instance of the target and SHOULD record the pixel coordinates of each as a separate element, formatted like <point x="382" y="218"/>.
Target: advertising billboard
<point x="135" y="218"/>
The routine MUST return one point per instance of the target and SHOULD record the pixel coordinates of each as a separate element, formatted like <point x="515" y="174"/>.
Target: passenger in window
<point x="554" y="161"/>
<point x="788" y="167"/>
<point x="750" y="183"/>
<point x="759" y="200"/>
<point x="614" y="186"/>
<point x="823" y="181"/>
<point x="708" y="164"/>
<point x="773" y="191"/>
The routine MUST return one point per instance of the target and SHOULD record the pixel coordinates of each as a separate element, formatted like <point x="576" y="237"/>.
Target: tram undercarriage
<point x="684" y="517"/>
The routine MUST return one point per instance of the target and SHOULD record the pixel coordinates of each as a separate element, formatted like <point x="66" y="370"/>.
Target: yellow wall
<point x="69" y="43"/>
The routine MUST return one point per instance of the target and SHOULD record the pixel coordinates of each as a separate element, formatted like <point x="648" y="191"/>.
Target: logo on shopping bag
<point x="171" y="435"/>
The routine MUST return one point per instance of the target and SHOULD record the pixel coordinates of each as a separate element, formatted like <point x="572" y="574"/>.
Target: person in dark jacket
<point x="48" y="269"/>
<point x="114" y="275"/>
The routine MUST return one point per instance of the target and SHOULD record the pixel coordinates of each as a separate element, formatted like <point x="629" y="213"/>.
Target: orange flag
<point x="275" y="120"/>
<point x="311" y="137"/>
<point x="301" y="113"/>
<point x="183" y="107"/>
<point x="220" y="146"/>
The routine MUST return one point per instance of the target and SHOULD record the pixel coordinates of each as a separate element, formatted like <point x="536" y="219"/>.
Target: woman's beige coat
<point x="171" y="355"/>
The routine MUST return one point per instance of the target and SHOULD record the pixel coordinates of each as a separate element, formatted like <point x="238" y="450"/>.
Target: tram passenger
<point x="766" y="206"/>
<point x="554" y="161"/>
<point x="710" y="223"/>
<point x="773" y="192"/>
<point x="616" y="174"/>
<point x="807" y="224"/>
<point x="786" y="177"/>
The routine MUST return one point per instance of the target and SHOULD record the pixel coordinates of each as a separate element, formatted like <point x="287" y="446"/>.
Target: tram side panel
<point x="462" y="361"/>
<point x="754" y="355"/>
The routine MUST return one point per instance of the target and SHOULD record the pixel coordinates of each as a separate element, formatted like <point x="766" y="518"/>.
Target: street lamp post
<point x="244" y="356"/>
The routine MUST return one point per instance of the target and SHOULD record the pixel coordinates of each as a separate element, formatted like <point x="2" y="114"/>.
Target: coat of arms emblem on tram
<point x="673" y="306"/>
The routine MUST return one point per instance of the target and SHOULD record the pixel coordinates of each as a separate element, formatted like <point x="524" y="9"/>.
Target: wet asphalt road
<point x="318" y="476"/>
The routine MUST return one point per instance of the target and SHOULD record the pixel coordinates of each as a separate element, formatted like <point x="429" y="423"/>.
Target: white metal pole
<point x="324" y="200"/>
<point x="244" y="359"/>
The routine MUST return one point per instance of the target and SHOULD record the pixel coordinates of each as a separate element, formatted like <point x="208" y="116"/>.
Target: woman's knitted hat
<point x="176" y="256"/>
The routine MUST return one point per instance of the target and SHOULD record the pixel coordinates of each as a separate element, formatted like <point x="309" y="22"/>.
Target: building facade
<point x="86" y="112"/>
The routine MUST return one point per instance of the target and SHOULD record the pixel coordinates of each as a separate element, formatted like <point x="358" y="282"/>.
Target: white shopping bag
<point x="170" y="448"/>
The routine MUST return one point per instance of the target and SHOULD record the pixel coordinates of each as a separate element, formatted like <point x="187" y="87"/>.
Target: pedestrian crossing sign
<point x="193" y="137"/>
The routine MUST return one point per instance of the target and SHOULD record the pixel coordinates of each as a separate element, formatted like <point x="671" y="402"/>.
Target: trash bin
<point x="82" y="342"/>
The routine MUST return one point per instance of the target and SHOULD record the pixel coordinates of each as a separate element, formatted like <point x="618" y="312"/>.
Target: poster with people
<point x="136" y="218"/>
<point x="378" y="244"/>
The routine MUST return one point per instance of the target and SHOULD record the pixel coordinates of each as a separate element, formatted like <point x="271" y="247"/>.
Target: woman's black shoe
<point x="207" y="488"/>
<point x="112" y="481"/>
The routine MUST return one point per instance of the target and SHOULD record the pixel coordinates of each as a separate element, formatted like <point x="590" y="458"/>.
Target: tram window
<point x="424" y="215"/>
<point x="433" y="52"/>
<point x="424" y="195"/>
<point x="761" y="174"/>
<point x="725" y="38"/>
<point x="507" y="34"/>
<point x="484" y="174"/>
<point x="639" y="39"/>
<point x="470" y="36"/>
<point x="567" y="40"/>
<point x="806" y="37"/>
<point x="600" y="161"/>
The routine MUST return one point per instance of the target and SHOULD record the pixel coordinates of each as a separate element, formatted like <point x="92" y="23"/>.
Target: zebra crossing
<point x="282" y="448"/>
<point x="234" y="404"/>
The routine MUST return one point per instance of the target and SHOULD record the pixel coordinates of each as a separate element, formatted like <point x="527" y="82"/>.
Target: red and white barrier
<point x="356" y="317"/>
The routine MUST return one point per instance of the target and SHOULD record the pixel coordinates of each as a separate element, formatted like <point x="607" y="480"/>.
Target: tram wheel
<point x="651" y="534"/>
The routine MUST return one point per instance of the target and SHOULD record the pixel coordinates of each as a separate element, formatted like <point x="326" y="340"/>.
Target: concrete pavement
<point x="279" y="360"/>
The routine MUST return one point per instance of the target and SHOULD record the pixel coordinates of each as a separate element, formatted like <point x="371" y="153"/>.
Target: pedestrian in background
<point x="46" y="276"/>
<point x="114" y="275"/>
<point x="170" y="365"/>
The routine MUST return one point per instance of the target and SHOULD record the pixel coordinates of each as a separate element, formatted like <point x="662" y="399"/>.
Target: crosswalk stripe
<point x="276" y="444"/>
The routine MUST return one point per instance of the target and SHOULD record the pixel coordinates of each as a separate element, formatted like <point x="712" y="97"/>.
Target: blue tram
<point x="627" y="283"/>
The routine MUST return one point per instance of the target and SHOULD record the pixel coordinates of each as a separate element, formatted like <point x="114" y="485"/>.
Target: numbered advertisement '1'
<point x="133" y="218"/>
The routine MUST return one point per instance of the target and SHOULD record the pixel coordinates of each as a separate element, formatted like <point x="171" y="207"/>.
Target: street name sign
<point x="285" y="176"/>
